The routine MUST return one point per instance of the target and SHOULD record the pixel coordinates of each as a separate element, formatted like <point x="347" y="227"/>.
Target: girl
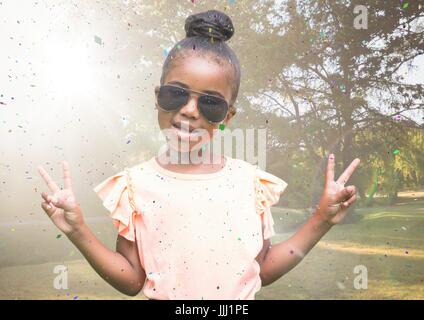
<point x="195" y="230"/>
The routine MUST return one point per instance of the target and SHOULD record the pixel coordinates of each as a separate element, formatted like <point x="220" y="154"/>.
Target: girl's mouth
<point x="184" y="131"/>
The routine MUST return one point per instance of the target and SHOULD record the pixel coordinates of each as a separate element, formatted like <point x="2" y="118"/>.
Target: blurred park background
<point x="76" y="83"/>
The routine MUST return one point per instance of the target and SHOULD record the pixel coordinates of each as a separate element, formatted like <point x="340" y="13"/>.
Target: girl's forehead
<point x="201" y="74"/>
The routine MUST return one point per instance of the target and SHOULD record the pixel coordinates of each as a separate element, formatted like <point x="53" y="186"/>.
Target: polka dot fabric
<point x="198" y="234"/>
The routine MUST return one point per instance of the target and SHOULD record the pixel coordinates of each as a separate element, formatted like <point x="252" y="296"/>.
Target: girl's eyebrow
<point x="216" y="93"/>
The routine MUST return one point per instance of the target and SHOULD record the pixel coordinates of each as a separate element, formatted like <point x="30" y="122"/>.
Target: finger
<point x="49" y="209"/>
<point x="329" y="177"/>
<point x="67" y="175"/>
<point x="52" y="200"/>
<point x="346" y="193"/>
<point x="350" y="201"/>
<point x="62" y="203"/>
<point x="49" y="181"/>
<point x="45" y="196"/>
<point x="348" y="172"/>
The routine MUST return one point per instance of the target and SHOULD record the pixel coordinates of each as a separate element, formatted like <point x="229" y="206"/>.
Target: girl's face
<point x="202" y="75"/>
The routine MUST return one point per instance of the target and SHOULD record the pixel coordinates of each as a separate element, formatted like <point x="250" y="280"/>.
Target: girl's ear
<point x="231" y="113"/>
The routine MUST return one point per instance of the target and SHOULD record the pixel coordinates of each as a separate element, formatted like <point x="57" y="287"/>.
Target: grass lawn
<point x="388" y="241"/>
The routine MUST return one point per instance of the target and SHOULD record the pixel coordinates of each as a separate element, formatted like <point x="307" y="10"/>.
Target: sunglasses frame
<point x="191" y="91"/>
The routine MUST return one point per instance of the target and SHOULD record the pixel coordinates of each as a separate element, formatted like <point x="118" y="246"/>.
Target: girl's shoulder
<point x="263" y="179"/>
<point x="258" y="172"/>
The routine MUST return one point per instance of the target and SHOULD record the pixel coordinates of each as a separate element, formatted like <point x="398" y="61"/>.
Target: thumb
<point x="346" y="193"/>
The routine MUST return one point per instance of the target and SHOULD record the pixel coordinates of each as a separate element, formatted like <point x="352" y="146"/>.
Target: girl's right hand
<point x="62" y="207"/>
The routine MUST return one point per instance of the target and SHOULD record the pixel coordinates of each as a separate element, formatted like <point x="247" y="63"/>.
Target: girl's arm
<point x="284" y="256"/>
<point x="121" y="269"/>
<point x="332" y="208"/>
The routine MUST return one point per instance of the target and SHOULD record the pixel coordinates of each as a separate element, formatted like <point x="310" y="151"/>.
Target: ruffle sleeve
<point x="268" y="189"/>
<point x="116" y="193"/>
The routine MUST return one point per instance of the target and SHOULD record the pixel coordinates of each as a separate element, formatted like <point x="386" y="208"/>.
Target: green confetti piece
<point x="58" y="236"/>
<point x="221" y="126"/>
<point x="98" y="40"/>
<point x="396" y="151"/>
<point x="405" y="5"/>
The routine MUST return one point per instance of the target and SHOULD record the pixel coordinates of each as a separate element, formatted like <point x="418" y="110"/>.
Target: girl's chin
<point x="183" y="141"/>
<point x="184" y="146"/>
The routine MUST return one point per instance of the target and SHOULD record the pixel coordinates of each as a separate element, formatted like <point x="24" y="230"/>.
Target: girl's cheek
<point x="164" y="119"/>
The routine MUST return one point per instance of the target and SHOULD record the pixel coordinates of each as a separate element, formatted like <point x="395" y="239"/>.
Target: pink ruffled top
<point x="198" y="235"/>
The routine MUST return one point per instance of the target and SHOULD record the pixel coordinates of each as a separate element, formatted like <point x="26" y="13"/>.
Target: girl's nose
<point x="190" y="110"/>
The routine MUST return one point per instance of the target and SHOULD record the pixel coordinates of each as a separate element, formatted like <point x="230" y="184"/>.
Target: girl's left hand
<point x="336" y="198"/>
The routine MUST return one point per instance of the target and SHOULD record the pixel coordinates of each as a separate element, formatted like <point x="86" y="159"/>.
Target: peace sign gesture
<point x="336" y="198"/>
<point x="61" y="207"/>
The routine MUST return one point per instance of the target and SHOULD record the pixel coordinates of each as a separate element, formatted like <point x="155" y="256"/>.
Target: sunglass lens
<point x="214" y="109"/>
<point x="171" y="98"/>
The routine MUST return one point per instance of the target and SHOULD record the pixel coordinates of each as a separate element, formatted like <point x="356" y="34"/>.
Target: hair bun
<point x="212" y="23"/>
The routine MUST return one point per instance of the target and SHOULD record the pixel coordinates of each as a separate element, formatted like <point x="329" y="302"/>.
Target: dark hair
<point x="206" y="32"/>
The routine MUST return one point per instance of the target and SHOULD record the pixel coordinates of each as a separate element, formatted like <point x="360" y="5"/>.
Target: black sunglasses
<point x="171" y="98"/>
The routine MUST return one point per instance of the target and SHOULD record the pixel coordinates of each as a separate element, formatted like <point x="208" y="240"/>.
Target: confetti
<point x="58" y="236"/>
<point x="165" y="52"/>
<point x="98" y="40"/>
<point x="397" y="117"/>
<point x="231" y="2"/>
<point x="76" y="297"/>
<point x="396" y="151"/>
<point x="221" y="126"/>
